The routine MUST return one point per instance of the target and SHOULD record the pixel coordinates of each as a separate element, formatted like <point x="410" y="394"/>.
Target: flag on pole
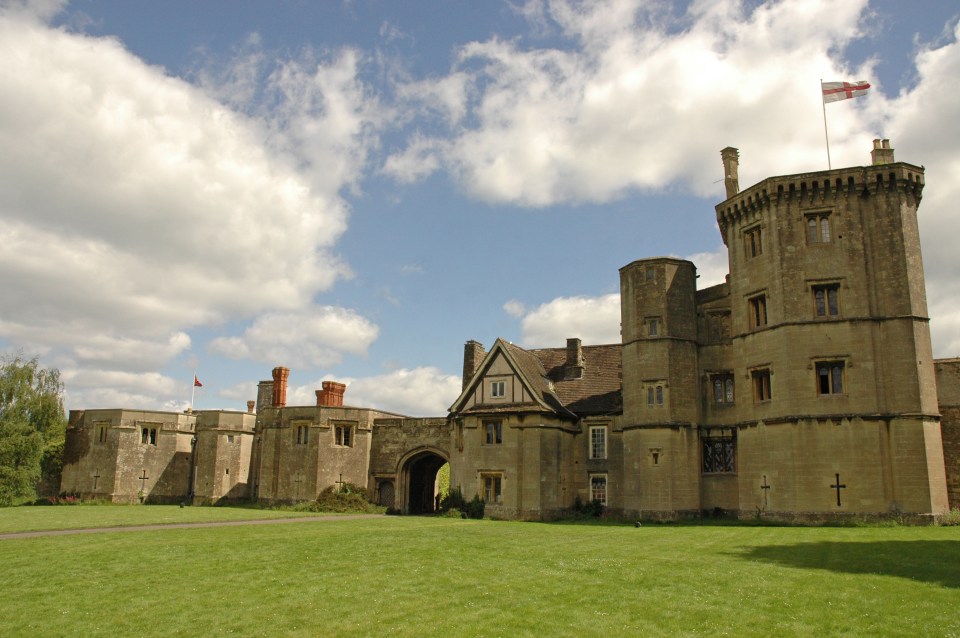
<point x="836" y="91"/>
<point x="196" y="382"/>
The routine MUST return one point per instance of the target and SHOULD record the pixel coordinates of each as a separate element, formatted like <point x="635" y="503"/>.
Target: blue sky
<point x="355" y="189"/>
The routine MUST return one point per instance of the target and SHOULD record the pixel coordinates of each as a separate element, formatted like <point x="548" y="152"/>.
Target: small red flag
<point x="196" y="382"/>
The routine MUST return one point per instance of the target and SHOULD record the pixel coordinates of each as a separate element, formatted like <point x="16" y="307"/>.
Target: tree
<point x="32" y="426"/>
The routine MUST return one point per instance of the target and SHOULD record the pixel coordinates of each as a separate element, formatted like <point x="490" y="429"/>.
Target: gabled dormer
<point x="506" y="379"/>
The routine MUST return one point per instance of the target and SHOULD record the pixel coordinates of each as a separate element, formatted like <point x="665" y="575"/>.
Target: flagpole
<point x="826" y="137"/>
<point x="193" y="388"/>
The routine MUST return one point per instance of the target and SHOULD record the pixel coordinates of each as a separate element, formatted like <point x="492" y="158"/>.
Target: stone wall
<point x="948" y="391"/>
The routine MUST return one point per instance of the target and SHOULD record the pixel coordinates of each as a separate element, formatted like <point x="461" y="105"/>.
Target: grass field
<point x="410" y="576"/>
<point x="36" y="518"/>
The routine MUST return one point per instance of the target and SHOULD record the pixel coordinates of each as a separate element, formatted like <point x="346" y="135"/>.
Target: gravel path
<point x="149" y="528"/>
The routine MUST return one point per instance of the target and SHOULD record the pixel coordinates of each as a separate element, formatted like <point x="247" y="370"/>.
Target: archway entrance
<point x="420" y="473"/>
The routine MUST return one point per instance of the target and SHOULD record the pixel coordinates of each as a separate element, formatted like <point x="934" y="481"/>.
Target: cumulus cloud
<point x="421" y="391"/>
<point x="317" y="336"/>
<point x="924" y="130"/>
<point x="635" y="96"/>
<point x="595" y="320"/>
<point x="135" y="206"/>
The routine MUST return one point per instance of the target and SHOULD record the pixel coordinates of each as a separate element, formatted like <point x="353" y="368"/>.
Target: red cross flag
<point x="196" y="382"/>
<point x="836" y="91"/>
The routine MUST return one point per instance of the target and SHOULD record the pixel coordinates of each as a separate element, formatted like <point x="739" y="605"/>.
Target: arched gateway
<point x="405" y="456"/>
<point x="417" y="475"/>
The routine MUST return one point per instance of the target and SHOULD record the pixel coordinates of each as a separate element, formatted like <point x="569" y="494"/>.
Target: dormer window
<point x="497" y="389"/>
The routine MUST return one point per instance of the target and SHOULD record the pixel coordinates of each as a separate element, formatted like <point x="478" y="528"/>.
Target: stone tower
<point x="660" y="384"/>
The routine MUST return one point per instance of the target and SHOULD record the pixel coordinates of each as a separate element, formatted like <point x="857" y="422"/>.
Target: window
<point x="148" y="436"/>
<point x="303" y="434"/>
<point x="344" y="435"/>
<point x="751" y="240"/>
<point x="497" y="389"/>
<point x="761" y="385"/>
<point x="493" y="433"/>
<point x="492" y="488"/>
<point x="722" y="388"/>
<point x="818" y="228"/>
<point x="758" y="311"/>
<point x="826" y="300"/>
<point x="229" y="438"/>
<point x="653" y="326"/>
<point x="655" y="394"/>
<point x="598" y="488"/>
<point x="651" y="274"/>
<point x="719" y="451"/>
<point x="830" y="377"/>
<point x="102" y="434"/>
<point x="598" y="442"/>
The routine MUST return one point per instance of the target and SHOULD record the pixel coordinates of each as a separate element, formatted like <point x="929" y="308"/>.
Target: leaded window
<point x="719" y="451"/>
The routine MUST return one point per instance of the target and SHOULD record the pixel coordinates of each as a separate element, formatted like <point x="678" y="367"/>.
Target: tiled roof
<point x="598" y="391"/>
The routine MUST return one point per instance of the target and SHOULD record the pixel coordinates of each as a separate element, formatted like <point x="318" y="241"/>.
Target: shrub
<point x="951" y="518"/>
<point x="475" y="507"/>
<point x="453" y="500"/>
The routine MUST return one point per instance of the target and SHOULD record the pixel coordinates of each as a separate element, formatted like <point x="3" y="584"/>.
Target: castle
<point x="803" y="387"/>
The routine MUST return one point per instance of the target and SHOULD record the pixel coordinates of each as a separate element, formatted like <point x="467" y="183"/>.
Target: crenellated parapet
<point x="823" y="188"/>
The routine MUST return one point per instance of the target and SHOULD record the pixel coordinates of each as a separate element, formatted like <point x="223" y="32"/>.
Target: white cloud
<point x="595" y="320"/>
<point x="316" y="336"/>
<point x="422" y="391"/>
<point x="924" y="129"/>
<point x="135" y="207"/>
<point x="712" y="267"/>
<point x="637" y="100"/>
<point x="514" y="308"/>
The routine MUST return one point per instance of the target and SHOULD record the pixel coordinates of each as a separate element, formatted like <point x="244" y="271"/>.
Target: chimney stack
<point x="881" y="153"/>
<point x="574" y="365"/>
<point x="250" y="406"/>
<point x="473" y="354"/>
<point x="280" y="376"/>
<point x="731" y="165"/>
<point x="332" y="394"/>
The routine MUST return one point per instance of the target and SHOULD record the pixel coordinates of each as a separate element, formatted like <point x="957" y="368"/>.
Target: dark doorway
<point x="422" y="483"/>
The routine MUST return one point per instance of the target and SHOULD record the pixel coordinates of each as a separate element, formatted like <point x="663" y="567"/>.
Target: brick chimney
<point x="473" y="354"/>
<point x="332" y="394"/>
<point x="280" y="376"/>
<point x="250" y="406"/>
<point x="881" y="153"/>
<point x="573" y="369"/>
<point x="731" y="165"/>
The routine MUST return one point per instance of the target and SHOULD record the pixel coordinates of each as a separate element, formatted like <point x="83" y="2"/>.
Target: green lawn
<point x="34" y="518"/>
<point x="408" y="576"/>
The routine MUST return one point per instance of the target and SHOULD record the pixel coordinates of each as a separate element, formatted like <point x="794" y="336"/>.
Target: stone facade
<point x="803" y="387"/>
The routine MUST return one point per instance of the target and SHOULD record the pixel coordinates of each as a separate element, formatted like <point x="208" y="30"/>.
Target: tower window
<point x="818" y="229"/>
<point x="752" y="242"/>
<point x="826" y="300"/>
<point x="722" y="388"/>
<point x="830" y="377"/>
<point x="761" y="385"/>
<point x="758" y="311"/>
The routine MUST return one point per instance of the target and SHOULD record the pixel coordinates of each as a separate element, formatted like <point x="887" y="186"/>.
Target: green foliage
<point x="951" y="518"/>
<point x="349" y="498"/>
<point x="443" y="480"/>
<point x="455" y="502"/>
<point x="582" y="511"/>
<point x="32" y="427"/>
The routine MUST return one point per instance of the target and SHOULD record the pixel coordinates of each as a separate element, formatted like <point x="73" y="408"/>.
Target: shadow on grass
<point x="926" y="561"/>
